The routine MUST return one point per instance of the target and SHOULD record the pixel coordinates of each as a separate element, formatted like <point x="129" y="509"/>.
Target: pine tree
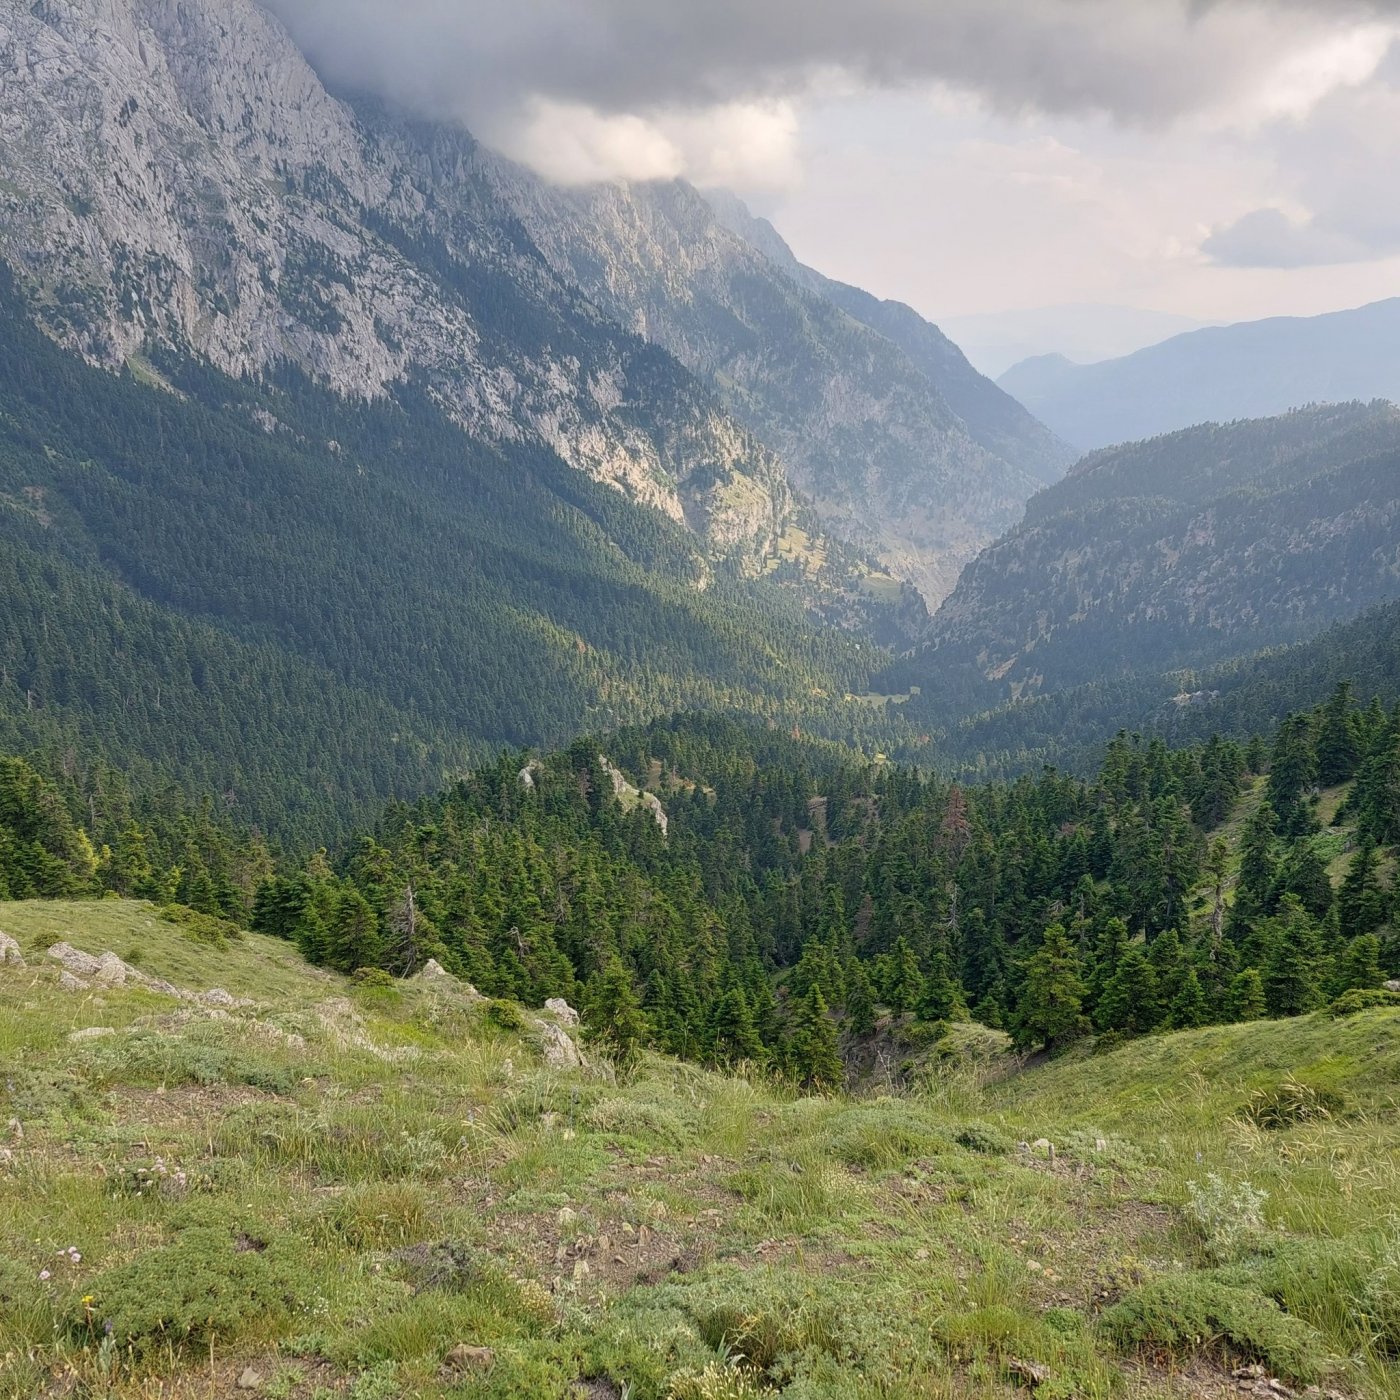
<point x="352" y="938"/>
<point x="612" y="1013"/>
<point x="1338" y="752"/>
<point x="1292" y="770"/>
<point x="813" y="1046"/>
<point x="1129" y="1002"/>
<point x="1245" y="1001"/>
<point x="1361" y="900"/>
<point x="1293" y="976"/>
<point x="734" y="1034"/>
<point x="903" y="982"/>
<point x="1361" y="965"/>
<point x="860" y="1002"/>
<point x="1052" y="1004"/>
<point x="1188" y="1008"/>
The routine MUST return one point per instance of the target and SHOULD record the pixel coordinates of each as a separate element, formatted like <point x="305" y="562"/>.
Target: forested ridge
<point x="1178" y="552"/>
<point x="307" y="605"/>
<point x="796" y="896"/>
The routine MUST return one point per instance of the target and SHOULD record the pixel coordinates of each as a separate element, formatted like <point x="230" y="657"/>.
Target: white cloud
<point x="739" y="143"/>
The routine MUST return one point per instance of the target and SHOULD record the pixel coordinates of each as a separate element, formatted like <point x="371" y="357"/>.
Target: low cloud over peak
<point x="588" y="88"/>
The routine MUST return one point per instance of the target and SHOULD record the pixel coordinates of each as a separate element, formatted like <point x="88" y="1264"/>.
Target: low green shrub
<point x="1186" y="1314"/>
<point x="1229" y="1215"/>
<point x="381" y="1214"/>
<point x="648" y="1124"/>
<point x="201" y="1055"/>
<point x="505" y="1014"/>
<point x="985" y="1138"/>
<point x="1363" y="999"/>
<point x="208" y="1284"/>
<point x="372" y="977"/>
<point x="715" y="1382"/>
<point x="883" y="1136"/>
<point x="202" y="928"/>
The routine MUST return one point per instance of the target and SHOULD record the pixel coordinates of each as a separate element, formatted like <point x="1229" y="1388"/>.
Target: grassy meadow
<point x="330" y="1188"/>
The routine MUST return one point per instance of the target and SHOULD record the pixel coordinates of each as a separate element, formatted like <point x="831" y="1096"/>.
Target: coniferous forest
<point x="792" y="895"/>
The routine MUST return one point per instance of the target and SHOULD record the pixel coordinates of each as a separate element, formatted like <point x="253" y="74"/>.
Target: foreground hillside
<point x="308" y="1186"/>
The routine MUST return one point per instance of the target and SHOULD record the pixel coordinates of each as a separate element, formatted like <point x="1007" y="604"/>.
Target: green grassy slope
<point x="341" y="1189"/>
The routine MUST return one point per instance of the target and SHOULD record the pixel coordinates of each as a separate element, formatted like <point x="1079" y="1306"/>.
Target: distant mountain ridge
<point x="1176" y="552"/>
<point x="1254" y="369"/>
<point x="1084" y="332"/>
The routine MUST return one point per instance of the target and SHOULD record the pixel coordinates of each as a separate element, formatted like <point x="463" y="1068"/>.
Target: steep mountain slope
<point x="1250" y="370"/>
<point x="1236" y="698"/>
<point x="891" y="433"/>
<point x="1176" y="552"/>
<point x="177" y="177"/>
<point x="307" y="605"/>
<point x="993" y="418"/>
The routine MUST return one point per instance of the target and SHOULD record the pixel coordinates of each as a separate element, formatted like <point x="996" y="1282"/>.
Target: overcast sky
<point x="1222" y="159"/>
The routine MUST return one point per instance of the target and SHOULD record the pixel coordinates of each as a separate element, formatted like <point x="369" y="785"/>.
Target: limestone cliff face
<point x="176" y="175"/>
<point x="854" y="402"/>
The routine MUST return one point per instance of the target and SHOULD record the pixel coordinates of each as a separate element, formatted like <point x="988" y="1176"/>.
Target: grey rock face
<point x="849" y="400"/>
<point x="10" y="955"/>
<point x="176" y="175"/>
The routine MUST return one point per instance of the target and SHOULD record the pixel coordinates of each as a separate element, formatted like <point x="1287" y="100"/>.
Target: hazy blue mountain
<point x="1250" y="370"/>
<point x="1084" y="332"/>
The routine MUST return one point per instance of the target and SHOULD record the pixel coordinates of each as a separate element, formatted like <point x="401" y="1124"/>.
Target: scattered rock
<point x="1046" y="1146"/>
<point x="69" y="983"/>
<point x="434" y="971"/>
<point x="1100" y="1145"/>
<point x="465" y="1358"/>
<point x="77" y="963"/>
<point x="91" y="1033"/>
<point x="111" y="971"/>
<point x="1393" y="985"/>
<point x="561" y="1008"/>
<point x="559" y="1048"/>
<point x="15" y="1129"/>
<point x="250" y="1380"/>
<point x="216" y="996"/>
<point x="1028" y="1371"/>
<point x="10" y="955"/>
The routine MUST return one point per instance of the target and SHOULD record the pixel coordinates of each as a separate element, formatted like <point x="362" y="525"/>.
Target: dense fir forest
<point x="796" y="896"/>
<point x="308" y="605"/>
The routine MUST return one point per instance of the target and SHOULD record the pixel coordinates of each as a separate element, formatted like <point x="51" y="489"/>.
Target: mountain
<point x="880" y="419"/>
<point x="308" y="604"/>
<point x="1069" y="728"/>
<point x="1176" y="552"/>
<point x="1083" y="332"/>
<point x="1251" y="370"/>
<point x="992" y="417"/>
<point x="178" y="178"/>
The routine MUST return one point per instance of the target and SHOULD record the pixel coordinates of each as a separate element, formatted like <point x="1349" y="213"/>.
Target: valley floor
<point x="312" y="1187"/>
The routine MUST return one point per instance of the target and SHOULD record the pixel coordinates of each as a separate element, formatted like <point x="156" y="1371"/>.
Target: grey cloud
<point x="1141" y="61"/>
<point x="1269" y="238"/>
